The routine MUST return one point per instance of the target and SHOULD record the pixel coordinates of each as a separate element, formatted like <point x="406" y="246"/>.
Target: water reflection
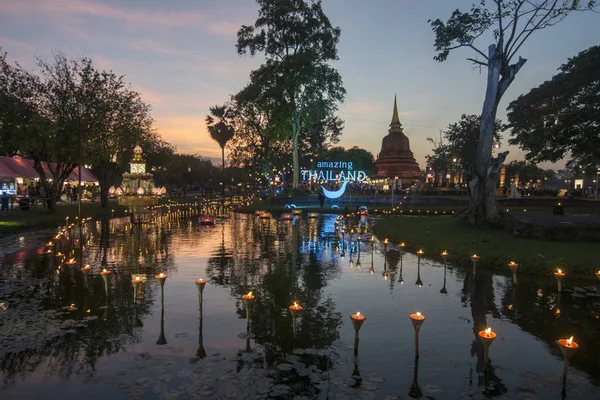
<point x="282" y="262"/>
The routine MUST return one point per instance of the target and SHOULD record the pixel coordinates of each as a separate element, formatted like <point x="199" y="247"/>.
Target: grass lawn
<point x="495" y="246"/>
<point x="38" y="217"/>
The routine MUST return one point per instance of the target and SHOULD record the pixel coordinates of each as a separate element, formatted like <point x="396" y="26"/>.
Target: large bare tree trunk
<point x="483" y="206"/>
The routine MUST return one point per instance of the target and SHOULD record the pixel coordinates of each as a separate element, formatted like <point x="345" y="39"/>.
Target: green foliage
<point x="560" y="117"/>
<point x="495" y="246"/>
<point x="181" y="172"/>
<point x="362" y="159"/>
<point x="296" y="80"/>
<point x="460" y="149"/>
<point x="527" y="171"/>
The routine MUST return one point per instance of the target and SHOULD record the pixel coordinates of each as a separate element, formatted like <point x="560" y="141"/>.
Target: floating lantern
<point x="568" y="348"/>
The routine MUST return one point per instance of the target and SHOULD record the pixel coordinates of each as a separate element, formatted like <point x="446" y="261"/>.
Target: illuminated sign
<point x="340" y="171"/>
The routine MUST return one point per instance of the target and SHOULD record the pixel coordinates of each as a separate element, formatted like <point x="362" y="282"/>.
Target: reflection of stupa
<point x="137" y="188"/>
<point x="395" y="158"/>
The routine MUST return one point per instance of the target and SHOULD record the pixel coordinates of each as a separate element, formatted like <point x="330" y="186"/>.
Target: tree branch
<point x="477" y="61"/>
<point x="471" y="46"/>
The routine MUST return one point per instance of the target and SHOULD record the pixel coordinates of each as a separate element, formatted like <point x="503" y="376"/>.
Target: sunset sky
<point x="180" y="55"/>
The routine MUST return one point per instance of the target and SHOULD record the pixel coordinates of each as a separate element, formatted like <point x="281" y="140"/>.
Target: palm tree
<point x="219" y="129"/>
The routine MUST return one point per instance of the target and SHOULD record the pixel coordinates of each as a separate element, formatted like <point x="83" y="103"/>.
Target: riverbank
<point x="495" y="246"/>
<point x="18" y="221"/>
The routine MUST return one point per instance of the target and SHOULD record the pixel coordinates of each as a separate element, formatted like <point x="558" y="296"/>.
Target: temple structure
<point x="395" y="160"/>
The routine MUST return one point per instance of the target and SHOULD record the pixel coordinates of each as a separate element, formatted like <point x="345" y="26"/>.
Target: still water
<point x="64" y="334"/>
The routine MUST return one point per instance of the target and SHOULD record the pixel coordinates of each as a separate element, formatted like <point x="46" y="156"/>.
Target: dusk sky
<point x="180" y="55"/>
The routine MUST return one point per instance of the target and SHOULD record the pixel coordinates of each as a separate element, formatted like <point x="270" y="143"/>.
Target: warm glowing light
<point x="105" y="272"/>
<point x="200" y="280"/>
<point x="418" y="314"/>
<point x="162" y="275"/>
<point x="444" y="253"/>
<point x="474" y="257"/>
<point x="50" y="244"/>
<point x="420" y="252"/>
<point x="488" y="331"/>
<point x="570" y="341"/>
<point x="358" y="315"/>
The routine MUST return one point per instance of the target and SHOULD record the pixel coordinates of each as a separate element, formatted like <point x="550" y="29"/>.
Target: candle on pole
<point x="474" y="259"/>
<point x="559" y="275"/>
<point x="200" y="284"/>
<point x="136" y="282"/>
<point x="443" y="290"/>
<point x="105" y="274"/>
<point x="295" y="310"/>
<point x="513" y="268"/>
<point x="486" y="337"/>
<point x="417" y="320"/>
<point x="358" y="320"/>
<point x="568" y="347"/>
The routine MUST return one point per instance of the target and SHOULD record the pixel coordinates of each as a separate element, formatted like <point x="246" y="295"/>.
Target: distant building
<point x="395" y="160"/>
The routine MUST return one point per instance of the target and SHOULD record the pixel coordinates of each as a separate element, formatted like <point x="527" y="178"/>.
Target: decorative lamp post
<point x="487" y="338"/>
<point x="559" y="275"/>
<point x="358" y="320"/>
<point x="513" y="268"/>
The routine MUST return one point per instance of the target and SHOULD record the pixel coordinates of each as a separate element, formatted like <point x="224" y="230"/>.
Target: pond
<point x="65" y="333"/>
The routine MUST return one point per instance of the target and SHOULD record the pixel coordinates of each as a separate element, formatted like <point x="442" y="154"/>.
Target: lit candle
<point x="513" y="264"/>
<point x="86" y="268"/>
<point x="105" y="272"/>
<point x="598" y="274"/>
<point x="59" y="254"/>
<point x="71" y="262"/>
<point x="358" y="316"/>
<point x="136" y="281"/>
<point x="296" y="306"/>
<point x="559" y="273"/>
<point x="487" y="333"/>
<point x="248" y="296"/>
<point x="420" y="252"/>
<point x="200" y="281"/>
<point x="474" y="257"/>
<point x="162" y="275"/>
<point x="417" y="316"/>
<point x="50" y="244"/>
<point x="444" y="253"/>
<point x="569" y="343"/>
<point x="385" y="241"/>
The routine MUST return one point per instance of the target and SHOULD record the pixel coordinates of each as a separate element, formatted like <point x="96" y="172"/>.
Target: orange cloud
<point x="188" y="134"/>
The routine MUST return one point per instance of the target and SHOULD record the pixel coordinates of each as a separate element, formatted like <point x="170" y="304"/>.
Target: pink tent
<point x="14" y="167"/>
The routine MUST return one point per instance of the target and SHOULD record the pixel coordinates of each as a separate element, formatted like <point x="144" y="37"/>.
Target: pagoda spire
<point x="395" y="125"/>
